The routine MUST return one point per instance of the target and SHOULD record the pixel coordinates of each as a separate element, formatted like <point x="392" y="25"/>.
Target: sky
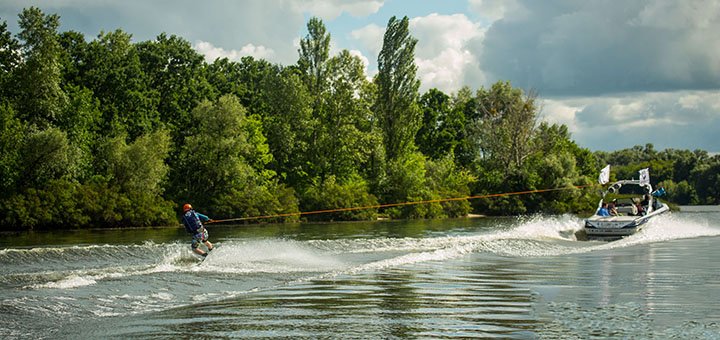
<point x="617" y="73"/>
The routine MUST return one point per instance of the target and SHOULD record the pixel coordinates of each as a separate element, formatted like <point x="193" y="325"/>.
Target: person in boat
<point x="603" y="211"/>
<point x="612" y="208"/>
<point x="640" y="207"/>
<point x="646" y="202"/>
<point x="192" y="221"/>
<point x="659" y="192"/>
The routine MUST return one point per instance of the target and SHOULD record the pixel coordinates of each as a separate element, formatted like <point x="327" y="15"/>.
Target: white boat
<point x="629" y="218"/>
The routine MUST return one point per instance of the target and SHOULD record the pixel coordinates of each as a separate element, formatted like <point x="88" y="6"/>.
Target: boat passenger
<point x="640" y="209"/>
<point x="612" y="209"/>
<point x="603" y="211"/>
<point x="646" y="203"/>
<point x="659" y="192"/>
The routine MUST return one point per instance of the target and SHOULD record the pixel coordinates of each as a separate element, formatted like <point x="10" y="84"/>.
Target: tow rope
<point x="379" y="206"/>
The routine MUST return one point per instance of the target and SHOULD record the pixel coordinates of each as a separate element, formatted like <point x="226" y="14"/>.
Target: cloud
<point x="227" y="25"/>
<point x="492" y="10"/>
<point x="365" y="61"/>
<point x="441" y="53"/>
<point x="370" y="37"/>
<point x="683" y="119"/>
<point x="212" y="52"/>
<point x="331" y="9"/>
<point x="597" y="48"/>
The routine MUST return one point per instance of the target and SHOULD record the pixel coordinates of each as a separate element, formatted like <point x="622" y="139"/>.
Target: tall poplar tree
<point x="314" y="53"/>
<point x="396" y="105"/>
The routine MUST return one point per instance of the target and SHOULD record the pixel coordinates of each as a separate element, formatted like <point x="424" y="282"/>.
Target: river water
<point x="508" y="278"/>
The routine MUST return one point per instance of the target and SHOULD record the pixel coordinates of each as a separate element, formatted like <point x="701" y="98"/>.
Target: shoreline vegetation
<point x="111" y="133"/>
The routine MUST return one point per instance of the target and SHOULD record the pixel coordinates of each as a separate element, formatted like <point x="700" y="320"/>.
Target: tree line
<point x="115" y="133"/>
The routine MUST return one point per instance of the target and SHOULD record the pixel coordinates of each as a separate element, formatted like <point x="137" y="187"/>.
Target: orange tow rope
<point x="378" y="206"/>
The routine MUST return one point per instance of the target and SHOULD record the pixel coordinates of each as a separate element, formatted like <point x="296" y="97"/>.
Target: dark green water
<point x="469" y="278"/>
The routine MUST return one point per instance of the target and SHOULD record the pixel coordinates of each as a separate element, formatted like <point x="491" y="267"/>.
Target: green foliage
<point x="344" y="138"/>
<point x="55" y="204"/>
<point x="681" y="193"/>
<point x="111" y="68"/>
<point x="289" y="127"/>
<point x="11" y="139"/>
<point x="314" y="53"/>
<point x="414" y="178"/>
<point x="706" y="178"/>
<point x="110" y="132"/>
<point x="138" y="168"/>
<point x="40" y="98"/>
<point x="332" y="194"/>
<point x="446" y="180"/>
<point x="443" y="126"/>
<point x="507" y="125"/>
<point x="176" y="73"/>
<point x="9" y="58"/>
<point x="396" y="106"/>
<point x="44" y="156"/>
<point x="65" y="204"/>
<point x="220" y="164"/>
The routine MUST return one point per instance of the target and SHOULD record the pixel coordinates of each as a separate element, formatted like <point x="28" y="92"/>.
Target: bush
<point x="331" y="194"/>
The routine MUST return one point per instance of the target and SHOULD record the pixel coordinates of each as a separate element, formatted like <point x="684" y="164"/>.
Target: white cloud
<point x="592" y="48"/>
<point x="677" y="15"/>
<point x="370" y="37"/>
<point x="561" y="112"/>
<point x="685" y="119"/>
<point x="493" y="10"/>
<point x="331" y="9"/>
<point x="365" y="61"/>
<point x="212" y="52"/>
<point x="442" y="54"/>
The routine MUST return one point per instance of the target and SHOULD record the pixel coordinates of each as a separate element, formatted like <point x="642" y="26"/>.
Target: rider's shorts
<point x="200" y="237"/>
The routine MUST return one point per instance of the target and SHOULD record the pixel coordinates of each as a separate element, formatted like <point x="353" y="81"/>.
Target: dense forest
<point x="116" y="133"/>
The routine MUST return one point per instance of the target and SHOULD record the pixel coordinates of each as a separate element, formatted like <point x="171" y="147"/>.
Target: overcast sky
<point x="617" y="73"/>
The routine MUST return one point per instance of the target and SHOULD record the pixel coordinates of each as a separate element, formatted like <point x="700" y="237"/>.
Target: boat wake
<point x="114" y="280"/>
<point x="538" y="236"/>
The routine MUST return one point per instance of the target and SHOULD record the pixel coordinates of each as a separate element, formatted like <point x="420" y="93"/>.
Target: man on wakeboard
<point x="192" y="221"/>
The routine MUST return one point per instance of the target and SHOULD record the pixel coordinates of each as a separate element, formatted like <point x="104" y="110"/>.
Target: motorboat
<point x="629" y="213"/>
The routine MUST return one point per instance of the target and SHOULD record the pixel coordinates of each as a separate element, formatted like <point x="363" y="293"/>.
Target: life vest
<point x="192" y="222"/>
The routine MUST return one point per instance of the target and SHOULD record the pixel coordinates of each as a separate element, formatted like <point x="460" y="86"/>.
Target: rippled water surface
<point x="505" y="278"/>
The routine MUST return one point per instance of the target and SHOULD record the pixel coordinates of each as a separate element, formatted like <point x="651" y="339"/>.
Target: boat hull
<point x="616" y="227"/>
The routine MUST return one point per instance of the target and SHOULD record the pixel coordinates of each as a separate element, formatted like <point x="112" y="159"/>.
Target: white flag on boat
<point x="644" y="176"/>
<point x="604" y="175"/>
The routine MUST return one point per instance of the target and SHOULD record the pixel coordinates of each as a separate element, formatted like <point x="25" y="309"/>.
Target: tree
<point x="435" y="105"/>
<point x="111" y="68"/>
<point x="138" y="168"/>
<point x="314" y="53"/>
<point x="221" y="164"/>
<point x="73" y="57"/>
<point x="706" y="178"/>
<point x="45" y="155"/>
<point x="396" y="105"/>
<point x="12" y="132"/>
<point x="346" y="139"/>
<point x="40" y="98"/>
<point x="289" y="124"/>
<point x="443" y="127"/>
<point x="177" y="72"/>
<point x="9" y="58"/>
<point x="330" y="194"/>
<point x="507" y="126"/>
<point x="465" y="107"/>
